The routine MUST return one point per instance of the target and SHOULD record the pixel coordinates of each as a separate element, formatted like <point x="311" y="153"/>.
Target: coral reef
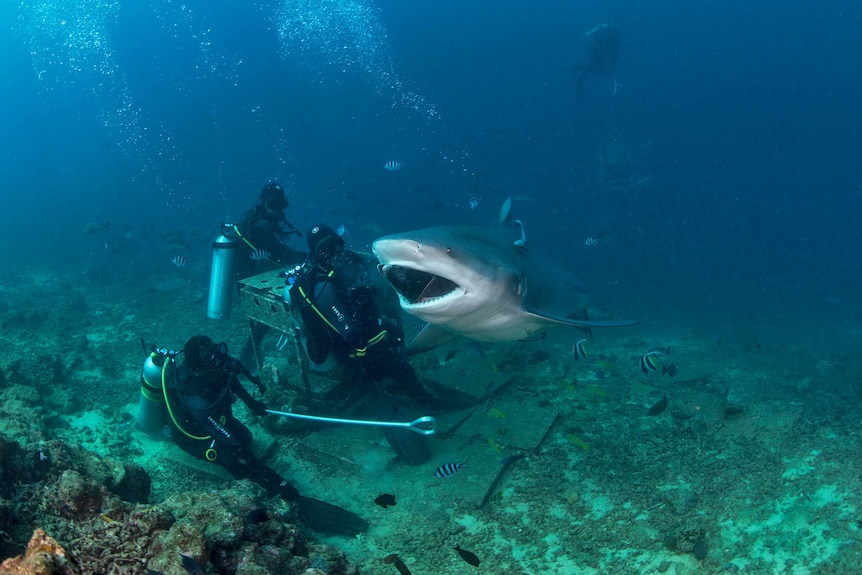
<point x="72" y="494"/>
<point x="44" y="556"/>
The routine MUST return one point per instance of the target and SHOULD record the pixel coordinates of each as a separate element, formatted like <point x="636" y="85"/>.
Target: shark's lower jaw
<point x="416" y="287"/>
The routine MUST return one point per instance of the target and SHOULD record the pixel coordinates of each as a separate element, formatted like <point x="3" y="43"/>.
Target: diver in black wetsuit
<point x="199" y="401"/>
<point x="348" y="309"/>
<point x="261" y="231"/>
<point x="600" y="54"/>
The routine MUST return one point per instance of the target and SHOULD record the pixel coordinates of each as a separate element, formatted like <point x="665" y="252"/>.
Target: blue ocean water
<point x="736" y="203"/>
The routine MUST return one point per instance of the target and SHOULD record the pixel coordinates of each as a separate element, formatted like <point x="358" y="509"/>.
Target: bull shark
<point x="475" y="283"/>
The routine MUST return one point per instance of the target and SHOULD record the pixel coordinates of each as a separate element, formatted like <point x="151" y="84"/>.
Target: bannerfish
<point x="649" y="361"/>
<point x="579" y="350"/>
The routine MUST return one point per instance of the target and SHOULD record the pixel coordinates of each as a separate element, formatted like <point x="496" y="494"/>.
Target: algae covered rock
<point x="44" y="556"/>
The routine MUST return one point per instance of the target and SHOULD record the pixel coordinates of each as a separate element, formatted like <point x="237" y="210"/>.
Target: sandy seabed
<point x="753" y="466"/>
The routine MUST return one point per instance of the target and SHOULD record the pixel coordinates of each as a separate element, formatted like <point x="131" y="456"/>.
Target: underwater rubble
<point x="97" y="507"/>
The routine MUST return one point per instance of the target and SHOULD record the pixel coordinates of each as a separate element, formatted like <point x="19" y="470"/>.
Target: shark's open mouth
<point x="416" y="286"/>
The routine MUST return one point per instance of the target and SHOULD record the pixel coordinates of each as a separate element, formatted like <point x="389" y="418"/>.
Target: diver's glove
<point x="257" y="408"/>
<point x="254" y="378"/>
<point x="287" y="491"/>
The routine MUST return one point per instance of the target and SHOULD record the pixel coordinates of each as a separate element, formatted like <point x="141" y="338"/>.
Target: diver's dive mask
<point x="216" y="357"/>
<point x="329" y="250"/>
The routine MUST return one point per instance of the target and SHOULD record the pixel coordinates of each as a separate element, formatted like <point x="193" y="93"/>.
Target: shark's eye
<point x="448" y="251"/>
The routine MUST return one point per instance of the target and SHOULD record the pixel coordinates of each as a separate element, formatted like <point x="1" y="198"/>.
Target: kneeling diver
<point x="198" y="397"/>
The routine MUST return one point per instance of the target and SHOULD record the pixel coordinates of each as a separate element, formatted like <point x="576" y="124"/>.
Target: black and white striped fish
<point x="474" y="439"/>
<point x="649" y="361"/>
<point x="181" y="261"/>
<point x="392" y="166"/>
<point x="490" y="403"/>
<point x="259" y="255"/>
<point x="448" y="470"/>
<point x="591" y="242"/>
<point x="579" y="350"/>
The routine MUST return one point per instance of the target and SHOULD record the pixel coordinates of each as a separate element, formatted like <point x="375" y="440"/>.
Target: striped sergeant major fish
<point x="259" y="255"/>
<point x="181" y="261"/>
<point x="448" y="470"/>
<point x="392" y="166"/>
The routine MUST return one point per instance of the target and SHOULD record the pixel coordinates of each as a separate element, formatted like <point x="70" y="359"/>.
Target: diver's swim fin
<point x="327" y="518"/>
<point x="409" y="445"/>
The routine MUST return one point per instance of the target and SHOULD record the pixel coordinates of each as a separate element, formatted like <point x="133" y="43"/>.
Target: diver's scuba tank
<point x="290" y="276"/>
<point x="152" y="414"/>
<point x="222" y="275"/>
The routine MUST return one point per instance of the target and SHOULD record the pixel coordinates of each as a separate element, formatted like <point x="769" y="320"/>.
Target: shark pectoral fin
<point x="430" y="337"/>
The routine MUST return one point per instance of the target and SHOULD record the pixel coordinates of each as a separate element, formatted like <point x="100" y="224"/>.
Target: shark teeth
<point x="417" y="287"/>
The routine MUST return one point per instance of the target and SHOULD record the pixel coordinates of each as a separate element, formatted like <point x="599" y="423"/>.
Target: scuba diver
<point x="260" y="248"/>
<point x="261" y="231"/>
<point x="600" y="55"/>
<point x="197" y="403"/>
<point x="348" y="310"/>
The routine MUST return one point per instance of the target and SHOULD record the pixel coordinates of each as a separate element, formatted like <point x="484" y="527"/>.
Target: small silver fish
<point x="342" y="231"/>
<point x="259" y="255"/>
<point x="448" y="470"/>
<point x="474" y="202"/>
<point x="392" y="166"/>
<point x="181" y="261"/>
